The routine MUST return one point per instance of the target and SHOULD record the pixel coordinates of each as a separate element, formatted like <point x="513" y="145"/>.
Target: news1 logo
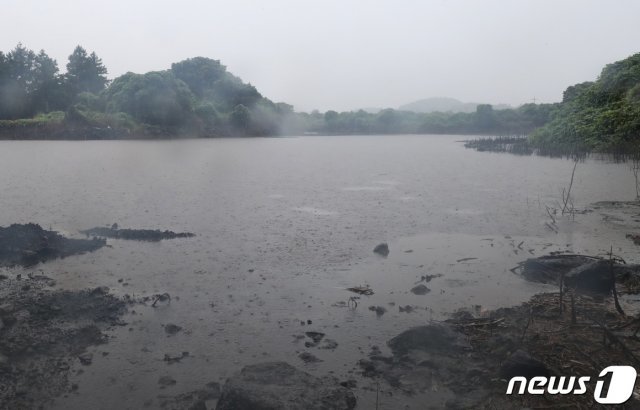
<point x="621" y="384"/>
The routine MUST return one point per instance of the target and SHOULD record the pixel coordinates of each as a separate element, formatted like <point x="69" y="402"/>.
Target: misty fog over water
<point x="283" y="226"/>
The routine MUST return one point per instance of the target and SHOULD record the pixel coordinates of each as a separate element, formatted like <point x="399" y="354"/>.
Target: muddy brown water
<point x="283" y="226"/>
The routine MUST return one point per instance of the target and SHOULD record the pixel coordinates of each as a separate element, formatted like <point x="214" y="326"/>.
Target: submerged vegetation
<point x="513" y="145"/>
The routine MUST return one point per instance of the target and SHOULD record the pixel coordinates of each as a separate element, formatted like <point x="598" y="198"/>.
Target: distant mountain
<point x="444" y="104"/>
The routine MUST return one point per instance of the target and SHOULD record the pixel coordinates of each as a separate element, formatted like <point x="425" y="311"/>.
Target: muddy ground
<point x="42" y="331"/>
<point x="467" y="361"/>
<point x="463" y="362"/>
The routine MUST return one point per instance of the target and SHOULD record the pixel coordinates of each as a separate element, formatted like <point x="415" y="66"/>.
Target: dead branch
<point x="613" y="283"/>
<point x="566" y="197"/>
<point x="614" y="339"/>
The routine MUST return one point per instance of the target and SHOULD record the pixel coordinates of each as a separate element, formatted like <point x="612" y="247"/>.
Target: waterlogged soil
<point x="44" y="332"/>
<point x="596" y="338"/>
<point x="468" y="360"/>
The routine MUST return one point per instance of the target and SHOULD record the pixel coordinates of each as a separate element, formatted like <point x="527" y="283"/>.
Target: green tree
<point x="240" y="117"/>
<point x="574" y="91"/>
<point x="388" y="121"/>
<point x="85" y="72"/>
<point x="229" y="91"/>
<point x="27" y="82"/>
<point x="199" y="73"/>
<point x="155" y="98"/>
<point x="17" y="82"/>
<point x="603" y="115"/>
<point x="48" y="92"/>
<point x="331" y="120"/>
<point x="485" y="117"/>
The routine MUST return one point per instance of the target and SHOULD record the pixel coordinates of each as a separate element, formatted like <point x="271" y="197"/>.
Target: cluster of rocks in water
<point x="30" y="244"/>
<point x="583" y="273"/>
<point x="469" y="359"/>
<point x="43" y="330"/>
<point x="149" y="235"/>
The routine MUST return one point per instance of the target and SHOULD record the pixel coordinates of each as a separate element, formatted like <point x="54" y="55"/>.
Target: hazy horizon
<point x="345" y="56"/>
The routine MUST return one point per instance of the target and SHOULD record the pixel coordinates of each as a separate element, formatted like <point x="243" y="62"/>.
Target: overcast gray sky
<point x="346" y="54"/>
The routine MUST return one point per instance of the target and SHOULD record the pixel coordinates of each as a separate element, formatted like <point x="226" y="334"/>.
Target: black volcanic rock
<point x="149" y="235"/>
<point x="29" y="244"/>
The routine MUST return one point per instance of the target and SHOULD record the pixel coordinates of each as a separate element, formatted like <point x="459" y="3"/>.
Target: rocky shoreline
<point x="463" y="362"/>
<point x="42" y="331"/>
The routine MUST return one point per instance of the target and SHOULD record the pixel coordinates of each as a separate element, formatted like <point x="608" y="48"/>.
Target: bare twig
<point x="566" y="197"/>
<point x="524" y="332"/>
<point x="481" y="322"/>
<point x="561" y="292"/>
<point x="613" y="283"/>
<point x="635" y="167"/>
<point x="614" y="339"/>
<point x="161" y="298"/>
<point x="551" y="214"/>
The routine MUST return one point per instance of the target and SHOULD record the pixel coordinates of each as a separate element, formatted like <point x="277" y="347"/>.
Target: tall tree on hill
<point x="47" y="93"/>
<point x="28" y="82"/>
<point x="85" y="72"/>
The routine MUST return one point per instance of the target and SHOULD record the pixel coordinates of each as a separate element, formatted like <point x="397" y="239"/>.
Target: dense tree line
<point x="31" y="83"/>
<point x="197" y="96"/>
<point x="485" y="120"/>
<point x="603" y="115"/>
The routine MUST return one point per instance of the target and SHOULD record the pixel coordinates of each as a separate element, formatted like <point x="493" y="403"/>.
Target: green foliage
<point x="207" y="112"/>
<point x="196" y="96"/>
<point x="210" y="82"/>
<point x="485" y="117"/>
<point x="485" y="120"/>
<point x="28" y="82"/>
<point x="230" y="92"/>
<point x="89" y="101"/>
<point x="603" y="115"/>
<point x="155" y="98"/>
<point x="240" y="117"/>
<point x="53" y="117"/>
<point x="199" y="73"/>
<point x="85" y="72"/>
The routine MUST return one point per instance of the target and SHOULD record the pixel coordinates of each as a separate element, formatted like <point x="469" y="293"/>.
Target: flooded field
<point x="282" y="227"/>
